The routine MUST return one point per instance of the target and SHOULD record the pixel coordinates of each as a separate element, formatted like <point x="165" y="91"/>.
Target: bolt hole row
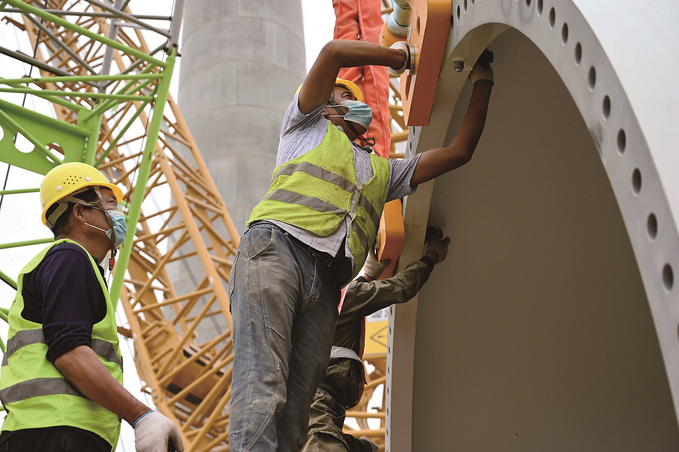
<point x="652" y="221"/>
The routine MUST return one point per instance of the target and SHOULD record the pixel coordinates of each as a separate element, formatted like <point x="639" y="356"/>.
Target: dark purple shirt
<point x="63" y="294"/>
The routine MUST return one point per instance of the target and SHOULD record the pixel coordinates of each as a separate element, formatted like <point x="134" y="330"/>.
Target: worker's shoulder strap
<point x="342" y="352"/>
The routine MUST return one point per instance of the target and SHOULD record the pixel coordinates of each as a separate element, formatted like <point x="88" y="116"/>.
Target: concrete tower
<point x="242" y="61"/>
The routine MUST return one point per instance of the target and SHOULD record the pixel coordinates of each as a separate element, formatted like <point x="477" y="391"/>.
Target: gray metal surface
<point x="553" y="323"/>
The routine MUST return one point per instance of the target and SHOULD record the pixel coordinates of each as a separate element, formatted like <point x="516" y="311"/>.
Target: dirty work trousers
<point x="284" y="299"/>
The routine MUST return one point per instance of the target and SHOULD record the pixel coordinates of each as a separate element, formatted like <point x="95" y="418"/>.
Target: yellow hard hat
<point x="351" y="86"/>
<point x="69" y="178"/>
<point x="348" y="84"/>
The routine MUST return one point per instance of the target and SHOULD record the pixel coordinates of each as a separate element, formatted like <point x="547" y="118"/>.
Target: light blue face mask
<point x="116" y="220"/>
<point x="358" y="113"/>
<point x="118" y="230"/>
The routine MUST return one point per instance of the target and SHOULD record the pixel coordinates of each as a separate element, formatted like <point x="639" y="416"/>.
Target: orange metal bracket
<point x="390" y="236"/>
<point x="429" y="27"/>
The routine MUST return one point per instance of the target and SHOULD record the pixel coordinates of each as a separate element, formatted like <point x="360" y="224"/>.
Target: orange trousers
<point x="361" y="20"/>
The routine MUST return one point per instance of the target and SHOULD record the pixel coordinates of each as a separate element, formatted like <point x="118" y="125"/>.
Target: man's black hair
<point x="61" y="225"/>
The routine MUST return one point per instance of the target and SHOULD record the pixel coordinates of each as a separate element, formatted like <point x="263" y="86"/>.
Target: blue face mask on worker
<point x="358" y="113"/>
<point x="116" y="220"/>
<point x="118" y="230"/>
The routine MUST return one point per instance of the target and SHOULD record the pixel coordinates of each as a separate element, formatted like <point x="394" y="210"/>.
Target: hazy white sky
<point x="319" y="22"/>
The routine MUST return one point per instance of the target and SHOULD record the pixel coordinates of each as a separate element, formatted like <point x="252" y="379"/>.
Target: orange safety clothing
<point x="361" y="20"/>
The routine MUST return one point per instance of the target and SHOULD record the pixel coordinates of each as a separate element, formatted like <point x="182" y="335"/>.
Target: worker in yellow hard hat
<point x="310" y="235"/>
<point x="61" y="378"/>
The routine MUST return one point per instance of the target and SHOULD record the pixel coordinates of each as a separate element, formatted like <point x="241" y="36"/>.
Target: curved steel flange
<point x="619" y="66"/>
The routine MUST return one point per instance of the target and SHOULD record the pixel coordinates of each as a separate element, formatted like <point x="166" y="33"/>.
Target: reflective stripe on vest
<point x="308" y="201"/>
<point x="27" y="337"/>
<point x="317" y="171"/>
<point x="34" y="392"/>
<point x="363" y="202"/>
<point x="36" y="388"/>
<point x="314" y="192"/>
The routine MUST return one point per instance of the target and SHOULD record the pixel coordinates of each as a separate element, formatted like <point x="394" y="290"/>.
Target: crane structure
<point x="111" y="107"/>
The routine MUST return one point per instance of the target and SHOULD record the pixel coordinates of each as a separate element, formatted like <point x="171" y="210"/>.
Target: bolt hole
<point x="465" y="6"/>
<point x="652" y="225"/>
<point x="552" y="17"/>
<point x="578" y="54"/>
<point x="540" y="5"/>
<point x="417" y="26"/>
<point x="458" y="11"/>
<point x="528" y="2"/>
<point x="668" y="277"/>
<point x="622" y="141"/>
<point x="636" y="181"/>
<point x="564" y="34"/>
<point x="22" y="144"/>
<point x="592" y="77"/>
<point x="607" y="107"/>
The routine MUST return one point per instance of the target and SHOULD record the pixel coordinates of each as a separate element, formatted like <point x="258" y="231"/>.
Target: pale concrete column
<point x="241" y="62"/>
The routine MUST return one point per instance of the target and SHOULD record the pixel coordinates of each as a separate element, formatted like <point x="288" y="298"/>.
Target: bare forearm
<point x="439" y="161"/>
<point x="82" y="367"/>
<point x="335" y="55"/>
<point x="341" y="53"/>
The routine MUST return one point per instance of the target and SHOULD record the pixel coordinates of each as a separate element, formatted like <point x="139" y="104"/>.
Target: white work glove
<point x="373" y="446"/>
<point x="438" y="244"/>
<point x="152" y="432"/>
<point x="408" y="61"/>
<point x="373" y="268"/>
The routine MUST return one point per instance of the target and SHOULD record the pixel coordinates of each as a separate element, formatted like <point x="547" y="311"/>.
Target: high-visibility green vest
<point x="314" y="192"/>
<point x="34" y="392"/>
